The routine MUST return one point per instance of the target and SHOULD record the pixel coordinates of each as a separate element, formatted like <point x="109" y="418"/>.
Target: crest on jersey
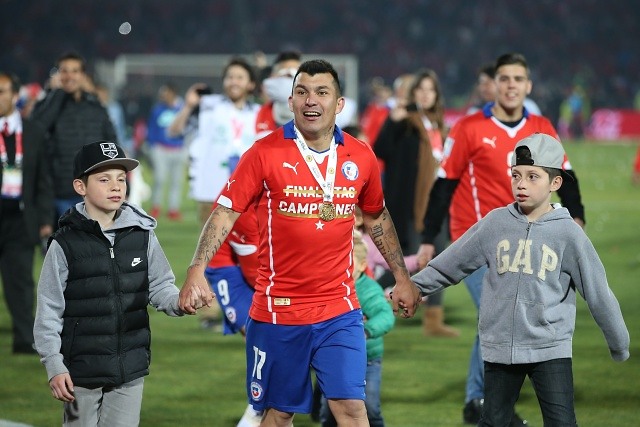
<point x="256" y="391"/>
<point x="230" y="312"/>
<point x="350" y="170"/>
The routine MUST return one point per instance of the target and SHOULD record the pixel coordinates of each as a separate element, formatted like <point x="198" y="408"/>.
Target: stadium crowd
<point x="591" y="41"/>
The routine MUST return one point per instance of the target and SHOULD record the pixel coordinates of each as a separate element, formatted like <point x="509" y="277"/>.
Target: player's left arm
<point x="383" y="233"/>
<point x="570" y="197"/>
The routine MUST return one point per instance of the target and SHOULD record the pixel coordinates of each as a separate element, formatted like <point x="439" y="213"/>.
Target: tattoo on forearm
<point x="386" y="240"/>
<point x="214" y="233"/>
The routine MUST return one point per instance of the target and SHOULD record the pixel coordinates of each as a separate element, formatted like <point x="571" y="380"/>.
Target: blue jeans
<point x="475" y="376"/>
<point x="371" y="401"/>
<point x="552" y="381"/>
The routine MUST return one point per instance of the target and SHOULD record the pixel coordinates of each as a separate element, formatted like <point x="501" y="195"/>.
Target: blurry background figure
<point x="276" y="89"/>
<point x="486" y="91"/>
<point x="30" y="94"/>
<point x="168" y="153"/>
<point x="377" y="109"/>
<point x="26" y="209"/>
<point x="575" y="111"/>
<point x="411" y="145"/>
<point x="72" y="116"/>
<point x="116" y="114"/>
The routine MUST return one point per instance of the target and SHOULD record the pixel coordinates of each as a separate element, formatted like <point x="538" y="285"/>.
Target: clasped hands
<point x="195" y="293"/>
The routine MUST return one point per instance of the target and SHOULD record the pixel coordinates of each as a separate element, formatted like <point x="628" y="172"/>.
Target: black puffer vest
<point x="106" y="336"/>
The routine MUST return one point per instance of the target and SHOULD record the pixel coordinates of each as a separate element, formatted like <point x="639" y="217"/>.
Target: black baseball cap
<point x="98" y="154"/>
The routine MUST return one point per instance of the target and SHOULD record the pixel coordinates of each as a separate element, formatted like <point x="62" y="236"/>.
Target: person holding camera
<point x="225" y="130"/>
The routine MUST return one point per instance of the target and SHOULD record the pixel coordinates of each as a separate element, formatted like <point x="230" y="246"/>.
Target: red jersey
<point x="240" y="247"/>
<point x="265" y="124"/>
<point x="305" y="273"/>
<point x="478" y="153"/>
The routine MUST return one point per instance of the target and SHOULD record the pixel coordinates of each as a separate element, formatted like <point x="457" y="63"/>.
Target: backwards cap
<point x="546" y="151"/>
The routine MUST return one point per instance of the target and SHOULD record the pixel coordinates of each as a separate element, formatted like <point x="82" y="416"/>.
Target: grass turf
<point x="197" y="376"/>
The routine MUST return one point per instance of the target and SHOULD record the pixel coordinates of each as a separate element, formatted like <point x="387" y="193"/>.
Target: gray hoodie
<point x="163" y="293"/>
<point x="528" y="305"/>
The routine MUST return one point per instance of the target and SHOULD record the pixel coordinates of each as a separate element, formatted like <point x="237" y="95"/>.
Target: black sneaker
<point x="472" y="411"/>
<point x="517" y="421"/>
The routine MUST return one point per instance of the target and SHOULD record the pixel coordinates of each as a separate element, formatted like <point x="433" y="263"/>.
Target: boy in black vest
<point x="103" y="267"/>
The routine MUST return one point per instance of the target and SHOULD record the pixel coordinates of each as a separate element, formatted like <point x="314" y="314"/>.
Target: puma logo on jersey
<point x="229" y="184"/>
<point x="491" y="142"/>
<point x="288" y="165"/>
<point x="135" y="261"/>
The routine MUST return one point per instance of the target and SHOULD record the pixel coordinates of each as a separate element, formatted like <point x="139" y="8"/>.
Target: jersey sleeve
<point x="371" y="199"/>
<point x="456" y="154"/>
<point x="245" y="185"/>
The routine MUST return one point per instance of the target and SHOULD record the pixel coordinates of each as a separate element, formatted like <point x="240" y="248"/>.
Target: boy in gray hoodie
<point x="538" y="258"/>
<point x="103" y="267"/>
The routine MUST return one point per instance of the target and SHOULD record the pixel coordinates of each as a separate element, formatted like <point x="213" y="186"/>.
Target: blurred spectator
<point x="30" y="94"/>
<point x="411" y="145"/>
<point x="575" y="111"/>
<point x="168" y="153"/>
<point x="26" y="209"/>
<point x="116" y="114"/>
<point x="226" y="129"/>
<point x="377" y="109"/>
<point x="72" y="116"/>
<point x="277" y="89"/>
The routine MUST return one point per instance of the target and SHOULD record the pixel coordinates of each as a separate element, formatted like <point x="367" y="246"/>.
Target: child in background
<point x="538" y="258"/>
<point x="103" y="267"/>
<point x="378" y="320"/>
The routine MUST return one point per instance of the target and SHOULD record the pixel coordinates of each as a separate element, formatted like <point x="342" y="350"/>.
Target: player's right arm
<point x="196" y="291"/>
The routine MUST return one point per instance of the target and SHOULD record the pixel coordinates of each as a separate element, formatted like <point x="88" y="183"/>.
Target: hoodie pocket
<point x="532" y="326"/>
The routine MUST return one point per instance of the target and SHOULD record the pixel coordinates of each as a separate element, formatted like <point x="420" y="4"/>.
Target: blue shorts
<point x="234" y="295"/>
<point x="279" y="358"/>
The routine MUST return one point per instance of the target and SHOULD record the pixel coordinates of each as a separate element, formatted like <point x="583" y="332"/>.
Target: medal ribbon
<point x="327" y="182"/>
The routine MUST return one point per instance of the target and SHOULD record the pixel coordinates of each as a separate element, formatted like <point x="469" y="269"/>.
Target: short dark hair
<point x="72" y="55"/>
<point x="15" y="81"/>
<point x="320" y="66"/>
<point x="287" y="55"/>
<point x="512" y="58"/>
<point x="525" y="153"/>
<point x="240" y="62"/>
<point x="488" y="70"/>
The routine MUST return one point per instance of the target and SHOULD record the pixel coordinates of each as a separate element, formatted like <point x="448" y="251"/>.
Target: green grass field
<point x="197" y="376"/>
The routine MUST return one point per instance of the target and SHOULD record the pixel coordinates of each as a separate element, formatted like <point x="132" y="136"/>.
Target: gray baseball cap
<point x="546" y="151"/>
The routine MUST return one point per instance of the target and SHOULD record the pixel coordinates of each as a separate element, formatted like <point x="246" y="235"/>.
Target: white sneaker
<point x="250" y="418"/>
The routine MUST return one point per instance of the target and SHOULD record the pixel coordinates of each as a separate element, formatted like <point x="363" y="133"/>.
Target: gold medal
<point x="327" y="211"/>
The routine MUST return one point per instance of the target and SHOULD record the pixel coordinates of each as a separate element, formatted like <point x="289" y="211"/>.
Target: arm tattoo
<point x="213" y="234"/>
<point x="383" y="234"/>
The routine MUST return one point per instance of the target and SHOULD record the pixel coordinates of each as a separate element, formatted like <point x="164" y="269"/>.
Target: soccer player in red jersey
<point x="304" y="180"/>
<point x="475" y="178"/>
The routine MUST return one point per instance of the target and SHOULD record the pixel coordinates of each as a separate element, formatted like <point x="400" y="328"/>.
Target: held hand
<point x="425" y="254"/>
<point x="405" y="298"/>
<point x="195" y="292"/>
<point x="62" y="387"/>
<point x="580" y="222"/>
